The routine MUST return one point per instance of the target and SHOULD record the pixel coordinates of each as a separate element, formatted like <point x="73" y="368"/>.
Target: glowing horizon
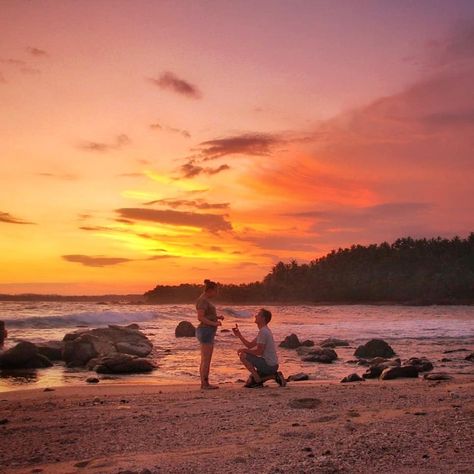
<point x="149" y="143"/>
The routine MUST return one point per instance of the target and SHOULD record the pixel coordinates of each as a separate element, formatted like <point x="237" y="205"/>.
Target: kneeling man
<point x="259" y="356"/>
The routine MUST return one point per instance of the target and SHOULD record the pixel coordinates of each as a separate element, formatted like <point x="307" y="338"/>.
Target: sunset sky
<point x="159" y="142"/>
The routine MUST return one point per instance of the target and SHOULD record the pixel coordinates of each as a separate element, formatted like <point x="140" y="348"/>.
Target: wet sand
<point x="400" y="426"/>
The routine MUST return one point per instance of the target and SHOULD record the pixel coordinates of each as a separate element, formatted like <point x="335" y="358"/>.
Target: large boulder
<point x="121" y="364"/>
<point x="53" y="350"/>
<point x="185" y="329"/>
<point x="334" y="342"/>
<point x="24" y="355"/>
<point x="82" y="346"/>
<point x="374" y="348"/>
<point x="290" y="342"/>
<point x="391" y="373"/>
<point x="324" y="355"/>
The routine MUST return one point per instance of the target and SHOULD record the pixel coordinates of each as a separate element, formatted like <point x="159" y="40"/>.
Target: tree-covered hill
<point x="421" y="271"/>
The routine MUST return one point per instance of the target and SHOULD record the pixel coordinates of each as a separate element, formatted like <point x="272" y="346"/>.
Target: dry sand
<point x="401" y="426"/>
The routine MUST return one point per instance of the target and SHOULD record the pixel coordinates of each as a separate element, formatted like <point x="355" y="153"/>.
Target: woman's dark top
<point x="209" y="309"/>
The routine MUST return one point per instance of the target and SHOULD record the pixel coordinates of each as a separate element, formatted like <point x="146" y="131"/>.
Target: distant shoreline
<point x="137" y="300"/>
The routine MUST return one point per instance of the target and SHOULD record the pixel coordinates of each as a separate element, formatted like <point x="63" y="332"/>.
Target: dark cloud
<point x="13" y="62"/>
<point x="170" y="81"/>
<point x="95" y="261"/>
<point x="458" y="46"/>
<point x="9" y="219"/>
<point x="36" y="52"/>
<point x="64" y="176"/>
<point x="197" y="203"/>
<point x="191" y="169"/>
<point x="165" y="128"/>
<point x="121" y="141"/>
<point x="210" y="222"/>
<point x="94" y="228"/>
<point x="253" y="144"/>
<point x="457" y="118"/>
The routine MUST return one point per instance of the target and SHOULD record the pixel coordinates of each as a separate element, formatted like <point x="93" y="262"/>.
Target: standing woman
<point x="206" y="331"/>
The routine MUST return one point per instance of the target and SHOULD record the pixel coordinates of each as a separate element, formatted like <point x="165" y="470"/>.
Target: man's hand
<point x="218" y="323"/>
<point x="236" y="330"/>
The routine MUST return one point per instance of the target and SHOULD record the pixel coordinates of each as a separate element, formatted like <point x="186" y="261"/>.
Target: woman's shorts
<point x="260" y="364"/>
<point x="206" y="334"/>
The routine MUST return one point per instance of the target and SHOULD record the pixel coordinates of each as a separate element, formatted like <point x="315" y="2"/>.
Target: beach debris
<point x="121" y="364"/>
<point x="449" y="351"/>
<point x="324" y="355"/>
<point x="82" y="346"/>
<point x="334" y="342"/>
<point x="374" y="348"/>
<point x="299" y="377"/>
<point x="470" y="357"/>
<point x="421" y="363"/>
<point x="437" y="376"/>
<point x="92" y="380"/>
<point x="290" y="342"/>
<point x="352" y="378"/>
<point x="391" y="373"/>
<point x="24" y="355"/>
<point x="307" y="403"/>
<point x="48" y="389"/>
<point x="185" y="329"/>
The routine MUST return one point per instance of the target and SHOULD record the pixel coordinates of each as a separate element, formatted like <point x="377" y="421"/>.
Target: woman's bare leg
<point x="206" y="356"/>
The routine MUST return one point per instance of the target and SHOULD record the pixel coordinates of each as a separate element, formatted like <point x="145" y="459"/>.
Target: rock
<point x="352" y="378"/>
<point x="48" y="389"/>
<point x="4" y="421"/>
<point x="291" y="342"/>
<point x="24" y="355"/>
<point x="225" y="330"/>
<point x="400" y="371"/>
<point x="308" y="343"/>
<point x="52" y="349"/>
<point x="185" y="329"/>
<point x="324" y="355"/>
<point x="300" y="376"/>
<point x="374" y="348"/>
<point x="421" y="363"/>
<point x="437" y="376"/>
<point x="470" y="357"/>
<point x="445" y="359"/>
<point x="123" y="364"/>
<point x="374" y="371"/>
<point x="455" y="350"/>
<point x="92" y="380"/>
<point x="334" y="342"/>
<point x="82" y="346"/>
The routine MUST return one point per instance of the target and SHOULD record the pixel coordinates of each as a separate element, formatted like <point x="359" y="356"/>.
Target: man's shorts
<point x="263" y="369"/>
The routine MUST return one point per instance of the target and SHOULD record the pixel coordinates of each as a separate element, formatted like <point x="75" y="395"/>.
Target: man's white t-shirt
<point x="265" y="337"/>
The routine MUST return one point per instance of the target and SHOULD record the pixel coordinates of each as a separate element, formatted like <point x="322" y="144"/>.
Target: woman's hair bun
<point x="209" y="284"/>
<point x="206" y="281"/>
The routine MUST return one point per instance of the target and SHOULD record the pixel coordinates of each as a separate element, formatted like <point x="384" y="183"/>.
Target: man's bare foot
<point x="209" y="387"/>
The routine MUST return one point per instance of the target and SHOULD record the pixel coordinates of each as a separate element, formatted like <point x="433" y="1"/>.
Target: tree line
<point x="411" y="271"/>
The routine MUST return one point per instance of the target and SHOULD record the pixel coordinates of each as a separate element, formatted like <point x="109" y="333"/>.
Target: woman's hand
<point x="236" y="330"/>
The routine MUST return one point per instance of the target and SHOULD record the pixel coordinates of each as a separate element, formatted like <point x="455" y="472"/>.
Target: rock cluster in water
<point x="115" y="349"/>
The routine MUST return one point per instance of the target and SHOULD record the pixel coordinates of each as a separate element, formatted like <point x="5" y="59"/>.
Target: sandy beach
<point x="402" y="426"/>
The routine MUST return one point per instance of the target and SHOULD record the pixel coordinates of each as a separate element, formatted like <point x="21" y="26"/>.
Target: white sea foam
<point x="100" y="318"/>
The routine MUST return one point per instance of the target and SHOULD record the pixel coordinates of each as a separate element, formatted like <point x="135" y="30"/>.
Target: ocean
<point x="428" y="331"/>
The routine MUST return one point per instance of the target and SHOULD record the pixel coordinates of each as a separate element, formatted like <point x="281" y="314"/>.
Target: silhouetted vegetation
<point x="416" y="271"/>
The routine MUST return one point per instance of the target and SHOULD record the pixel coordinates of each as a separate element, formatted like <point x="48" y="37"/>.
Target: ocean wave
<point x="81" y="319"/>
<point x="237" y="313"/>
